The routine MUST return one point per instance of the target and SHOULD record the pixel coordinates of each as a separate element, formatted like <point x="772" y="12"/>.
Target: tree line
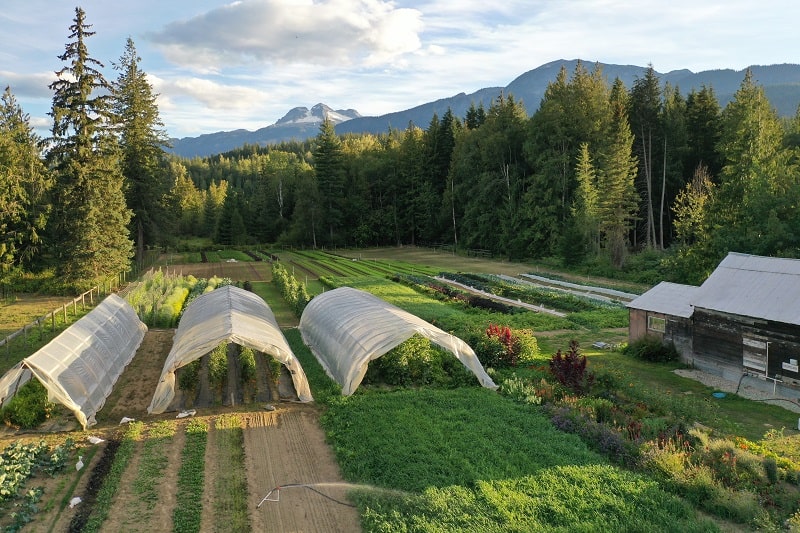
<point x="598" y="174"/>
<point x="71" y="201"/>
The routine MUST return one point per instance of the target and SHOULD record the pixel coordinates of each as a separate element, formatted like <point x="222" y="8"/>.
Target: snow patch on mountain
<point x="315" y="115"/>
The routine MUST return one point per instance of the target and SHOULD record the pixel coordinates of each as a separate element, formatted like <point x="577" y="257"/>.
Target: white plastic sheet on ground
<point x="81" y="365"/>
<point x="347" y="328"/>
<point x="227" y="314"/>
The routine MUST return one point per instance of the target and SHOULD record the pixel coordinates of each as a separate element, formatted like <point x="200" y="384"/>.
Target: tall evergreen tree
<point x="142" y="138"/>
<point x="573" y="111"/>
<point x="645" y="111"/>
<point x="185" y="201"/>
<point x="585" y="232"/>
<point x="329" y="171"/>
<point x="753" y="188"/>
<point x="618" y="203"/>
<point x="90" y="221"/>
<point x="24" y="182"/>
<point x="703" y="126"/>
<point x="675" y="152"/>
<point x="413" y="201"/>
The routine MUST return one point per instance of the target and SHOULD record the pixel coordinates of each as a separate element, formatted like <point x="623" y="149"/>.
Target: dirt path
<point x="287" y="447"/>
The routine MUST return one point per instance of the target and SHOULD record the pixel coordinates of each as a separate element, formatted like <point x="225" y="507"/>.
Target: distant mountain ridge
<point x="781" y="84"/>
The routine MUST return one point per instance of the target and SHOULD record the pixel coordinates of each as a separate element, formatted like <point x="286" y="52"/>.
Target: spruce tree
<point x="142" y="139"/>
<point x="24" y="182"/>
<point x="329" y="170"/>
<point x="90" y="219"/>
<point x="618" y="202"/>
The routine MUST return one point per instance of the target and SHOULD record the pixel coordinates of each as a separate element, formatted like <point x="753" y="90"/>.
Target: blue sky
<point x="227" y="65"/>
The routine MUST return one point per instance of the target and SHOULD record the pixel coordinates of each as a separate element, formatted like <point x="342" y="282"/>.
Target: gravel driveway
<point x="745" y="390"/>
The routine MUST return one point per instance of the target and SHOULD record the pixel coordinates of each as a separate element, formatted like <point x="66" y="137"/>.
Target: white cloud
<point x="276" y="32"/>
<point x="34" y="85"/>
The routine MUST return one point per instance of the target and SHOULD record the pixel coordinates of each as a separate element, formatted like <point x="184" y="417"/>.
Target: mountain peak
<point x="318" y="113"/>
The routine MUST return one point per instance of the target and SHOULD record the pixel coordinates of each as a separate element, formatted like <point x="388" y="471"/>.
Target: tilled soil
<point x="283" y="447"/>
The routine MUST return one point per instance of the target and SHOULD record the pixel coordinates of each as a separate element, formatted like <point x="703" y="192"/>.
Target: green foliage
<point x="153" y="461"/>
<point x="160" y="298"/>
<point x="112" y="479"/>
<point x="142" y="140"/>
<point x="19" y="462"/>
<point x="274" y="367"/>
<point x="218" y="367"/>
<point x="29" y="408"/>
<point x="230" y="487"/>
<point x="247" y="360"/>
<point x="653" y="349"/>
<point x="189" y="494"/>
<point x="520" y="390"/>
<point x="24" y="181"/>
<point x="91" y="222"/>
<point x="294" y="292"/>
<point x="189" y="376"/>
<point x="417" y="362"/>
<point x="471" y="480"/>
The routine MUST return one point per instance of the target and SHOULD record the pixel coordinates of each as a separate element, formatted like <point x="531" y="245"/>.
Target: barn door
<point x="755" y="352"/>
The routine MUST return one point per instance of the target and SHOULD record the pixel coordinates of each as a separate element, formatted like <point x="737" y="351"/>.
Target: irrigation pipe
<point x="309" y="486"/>
<point x="764" y="399"/>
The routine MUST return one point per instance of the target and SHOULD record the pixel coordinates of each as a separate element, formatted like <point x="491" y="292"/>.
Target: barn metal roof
<point x="754" y="286"/>
<point x="668" y="298"/>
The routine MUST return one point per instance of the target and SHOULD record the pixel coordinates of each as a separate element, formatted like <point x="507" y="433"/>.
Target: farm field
<point x="466" y="459"/>
<point x="24" y="309"/>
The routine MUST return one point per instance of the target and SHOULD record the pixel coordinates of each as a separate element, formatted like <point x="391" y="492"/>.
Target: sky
<point x="222" y="65"/>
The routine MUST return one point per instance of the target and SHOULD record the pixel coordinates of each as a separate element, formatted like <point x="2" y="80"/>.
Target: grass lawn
<point x="470" y="459"/>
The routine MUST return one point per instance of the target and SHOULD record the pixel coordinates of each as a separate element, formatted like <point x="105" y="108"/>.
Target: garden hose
<point x="309" y="486"/>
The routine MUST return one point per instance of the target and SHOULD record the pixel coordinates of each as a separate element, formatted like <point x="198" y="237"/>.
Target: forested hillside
<point x="595" y="174"/>
<point x="599" y="174"/>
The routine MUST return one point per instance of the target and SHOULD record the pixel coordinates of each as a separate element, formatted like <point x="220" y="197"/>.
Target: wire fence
<point x="48" y="323"/>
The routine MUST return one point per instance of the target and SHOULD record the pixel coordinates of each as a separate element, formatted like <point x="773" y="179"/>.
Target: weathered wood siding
<point x="726" y="344"/>
<point x="637" y="324"/>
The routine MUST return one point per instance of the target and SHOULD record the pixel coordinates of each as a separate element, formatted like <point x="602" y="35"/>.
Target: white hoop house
<point x="81" y="365"/>
<point x="226" y="314"/>
<point x="347" y="328"/>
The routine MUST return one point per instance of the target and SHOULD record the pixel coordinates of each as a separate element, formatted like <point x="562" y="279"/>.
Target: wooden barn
<point x="664" y="311"/>
<point x="744" y="319"/>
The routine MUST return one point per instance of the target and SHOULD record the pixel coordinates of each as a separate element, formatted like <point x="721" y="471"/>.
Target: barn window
<point x="655" y="323"/>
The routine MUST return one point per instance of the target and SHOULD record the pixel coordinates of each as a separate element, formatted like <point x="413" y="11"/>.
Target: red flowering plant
<point x="500" y="346"/>
<point x="570" y="369"/>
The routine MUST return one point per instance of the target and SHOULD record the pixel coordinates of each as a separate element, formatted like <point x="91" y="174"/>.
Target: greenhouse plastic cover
<point x="347" y="328"/>
<point x="81" y="365"/>
<point x="227" y="314"/>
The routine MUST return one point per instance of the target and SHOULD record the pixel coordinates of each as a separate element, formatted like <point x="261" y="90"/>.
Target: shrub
<point x="520" y="391"/>
<point x="409" y="363"/>
<point x="30" y="407"/>
<point x="500" y="346"/>
<point x="218" y="366"/>
<point x="570" y="369"/>
<point x="653" y="349"/>
<point x="600" y="437"/>
<point x="417" y="362"/>
<point x="247" y="360"/>
<point x="189" y="376"/>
